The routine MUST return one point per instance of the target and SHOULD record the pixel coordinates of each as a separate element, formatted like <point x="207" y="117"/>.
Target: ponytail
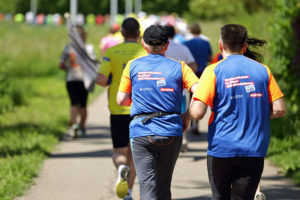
<point x="254" y="43"/>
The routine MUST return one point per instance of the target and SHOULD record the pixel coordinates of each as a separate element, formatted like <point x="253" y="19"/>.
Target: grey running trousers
<point x="154" y="159"/>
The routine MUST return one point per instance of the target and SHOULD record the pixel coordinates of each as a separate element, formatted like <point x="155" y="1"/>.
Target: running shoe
<point x="122" y="184"/>
<point x="128" y="197"/>
<point x="82" y="131"/>
<point x="259" y="196"/>
<point x="72" y="131"/>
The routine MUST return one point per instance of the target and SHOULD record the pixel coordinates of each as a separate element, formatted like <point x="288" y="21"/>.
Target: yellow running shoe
<point x="122" y="184"/>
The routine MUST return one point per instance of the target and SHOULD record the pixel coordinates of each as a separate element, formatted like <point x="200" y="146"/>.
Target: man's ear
<point x="244" y="48"/>
<point x="144" y="45"/>
<point x="221" y="46"/>
<point x="167" y="45"/>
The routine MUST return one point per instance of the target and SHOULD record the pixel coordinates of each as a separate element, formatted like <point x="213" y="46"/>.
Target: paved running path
<point x="82" y="169"/>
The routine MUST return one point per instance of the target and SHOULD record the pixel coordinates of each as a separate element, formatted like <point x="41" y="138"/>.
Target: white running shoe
<point x="72" y="132"/>
<point x="259" y="196"/>
<point x="122" y="184"/>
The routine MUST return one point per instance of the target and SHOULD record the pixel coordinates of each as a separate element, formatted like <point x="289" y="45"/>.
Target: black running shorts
<point x="77" y="93"/>
<point x="119" y="127"/>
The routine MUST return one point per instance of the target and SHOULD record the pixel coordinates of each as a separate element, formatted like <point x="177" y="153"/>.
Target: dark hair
<point x="233" y="37"/>
<point x="81" y="32"/>
<point x="254" y="43"/>
<point x="171" y="31"/>
<point x="155" y="35"/>
<point x="195" y="28"/>
<point x="130" y="28"/>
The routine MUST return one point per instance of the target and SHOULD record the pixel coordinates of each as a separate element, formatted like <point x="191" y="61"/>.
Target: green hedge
<point x="283" y="45"/>
<point x="285" y="143"/>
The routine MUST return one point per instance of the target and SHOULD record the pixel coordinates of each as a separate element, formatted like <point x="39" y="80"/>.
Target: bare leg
<point x="74" y="113"/>
<point x="132" y="169"/>
<point x="123" y="156"/>
<point x="83" y="116"/>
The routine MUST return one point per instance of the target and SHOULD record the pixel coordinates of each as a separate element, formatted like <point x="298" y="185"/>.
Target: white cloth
<point x="179" y="52"/>
<point x="74" y="62"/>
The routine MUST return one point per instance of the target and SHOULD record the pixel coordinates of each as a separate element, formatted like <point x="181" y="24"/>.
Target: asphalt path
<point x="82" y="169"/>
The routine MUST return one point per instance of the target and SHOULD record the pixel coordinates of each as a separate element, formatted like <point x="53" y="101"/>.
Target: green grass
<point x="34" y="102"/>
<point x="285" y="154"/>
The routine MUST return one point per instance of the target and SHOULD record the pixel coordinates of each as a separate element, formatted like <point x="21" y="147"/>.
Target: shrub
<point x="215" y="9"/>
<point x="283" y="46"/>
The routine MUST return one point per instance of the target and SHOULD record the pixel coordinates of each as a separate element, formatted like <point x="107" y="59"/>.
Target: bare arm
<point x="197" y="109"/>
<point x="101" y="80"/>
<point x="62" y="66"/>
<point x="124" y="99"/>
<point x="193" y="66"/>
<point x="278" y="108"/>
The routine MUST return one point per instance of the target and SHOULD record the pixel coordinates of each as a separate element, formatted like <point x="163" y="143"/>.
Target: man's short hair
<point x="155" y="35"/>
<point x="130" y="28"/>
<point x="195" y="28"/>
<point x="233" y="37"/>
<point x="171" y="31"/>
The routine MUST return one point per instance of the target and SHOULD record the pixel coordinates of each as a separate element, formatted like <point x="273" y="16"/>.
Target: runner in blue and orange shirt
<point x="154" y="85"/>
<point x="243" y="95"/>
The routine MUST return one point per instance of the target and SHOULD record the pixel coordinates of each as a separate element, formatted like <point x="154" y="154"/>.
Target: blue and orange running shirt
<point x="239" y="91"/>
<point x="156" y="84"/>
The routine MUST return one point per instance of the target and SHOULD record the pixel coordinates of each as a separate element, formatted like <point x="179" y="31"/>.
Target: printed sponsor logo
<point x="167" y="89"/>
<point x="161" y="83"/>
<point x="249" y="88"/>
<point x="256" y="95"/>
<point x="146" y="89"/>
<point x="148" y="76"/>
<point x="235" y="81"/>
<point x="236" y="96"/>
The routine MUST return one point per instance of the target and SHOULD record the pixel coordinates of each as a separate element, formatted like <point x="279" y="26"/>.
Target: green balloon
<point x="90" y="19"/>
<point x="19" y="18"/>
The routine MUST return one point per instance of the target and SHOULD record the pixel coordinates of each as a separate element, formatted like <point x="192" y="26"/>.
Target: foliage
<point x="283" y="47"/>
<point x="285" y="153"/>
<point x="198" y="8"/>
<point x="224" y="9"/>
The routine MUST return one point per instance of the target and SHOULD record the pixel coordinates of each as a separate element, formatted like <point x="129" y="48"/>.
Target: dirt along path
<point x="82" y="169"/>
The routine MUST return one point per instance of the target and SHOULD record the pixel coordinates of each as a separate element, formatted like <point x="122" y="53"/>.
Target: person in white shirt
<point x="181" y="52"/>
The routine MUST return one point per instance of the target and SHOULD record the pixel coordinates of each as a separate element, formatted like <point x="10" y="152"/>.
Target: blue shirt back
<point x="241" y="122"/>
<point x="201" y="50"/>
<point x="156" y="86"/>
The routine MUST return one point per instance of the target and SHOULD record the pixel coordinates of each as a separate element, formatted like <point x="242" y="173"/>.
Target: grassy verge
<point x="34" y="105"/>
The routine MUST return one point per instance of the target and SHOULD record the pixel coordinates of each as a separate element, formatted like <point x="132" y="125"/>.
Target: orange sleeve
<point x="188" y="76"/>
<point x="125" y="83"/>
<point x="273" y="88"/>
<point x="205" y="90"/>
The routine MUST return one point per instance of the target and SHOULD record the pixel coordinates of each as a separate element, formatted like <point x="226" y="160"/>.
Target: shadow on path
<point x="195" y="198"/>
<point x="102" y="153"/>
